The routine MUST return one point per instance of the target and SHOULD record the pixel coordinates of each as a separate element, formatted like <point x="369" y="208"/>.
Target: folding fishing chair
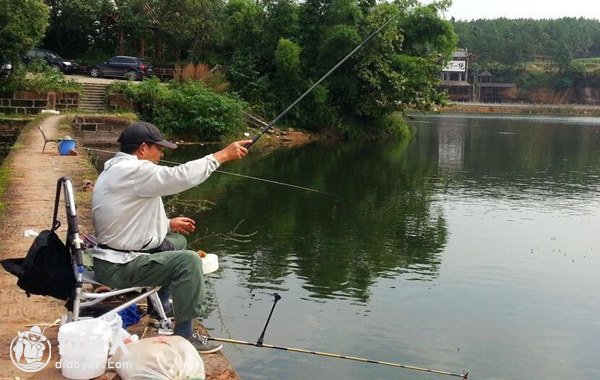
<point x="84" y="299"/>
<point x="84" y="278"/>
<point x="47" y="140"/>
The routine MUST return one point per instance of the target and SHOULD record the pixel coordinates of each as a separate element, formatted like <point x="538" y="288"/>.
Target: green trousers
<point x="180" y="271"/>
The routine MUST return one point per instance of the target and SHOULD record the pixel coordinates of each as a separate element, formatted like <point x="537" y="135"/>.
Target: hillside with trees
<point x="558" y="55"/>
<point x="517" y="42"/>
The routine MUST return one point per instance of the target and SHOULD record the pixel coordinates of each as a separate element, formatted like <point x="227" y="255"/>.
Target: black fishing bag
<point x="47" y="269"/>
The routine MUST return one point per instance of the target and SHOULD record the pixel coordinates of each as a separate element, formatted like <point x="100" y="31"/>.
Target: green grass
<point x="591" y="64"/>
<point x="4" y="180"/>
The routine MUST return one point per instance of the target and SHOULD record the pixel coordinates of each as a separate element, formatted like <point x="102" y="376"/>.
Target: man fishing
<point x="138" y="244"/>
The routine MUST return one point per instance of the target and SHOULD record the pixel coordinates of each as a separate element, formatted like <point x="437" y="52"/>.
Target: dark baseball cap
<point x="143" y="132"/>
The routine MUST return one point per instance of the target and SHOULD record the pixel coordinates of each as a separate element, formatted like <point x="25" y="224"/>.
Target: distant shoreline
<point x="524" y="109"/>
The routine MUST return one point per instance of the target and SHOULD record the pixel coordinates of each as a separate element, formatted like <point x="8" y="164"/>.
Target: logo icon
<point x="30" y="351"/>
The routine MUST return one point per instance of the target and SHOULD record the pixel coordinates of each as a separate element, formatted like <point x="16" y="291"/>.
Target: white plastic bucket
<point x="83" y="347"/>
<point x="210" y="263"/>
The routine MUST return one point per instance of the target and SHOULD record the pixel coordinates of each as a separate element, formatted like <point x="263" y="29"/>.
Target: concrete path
<point x="29" y="203"/>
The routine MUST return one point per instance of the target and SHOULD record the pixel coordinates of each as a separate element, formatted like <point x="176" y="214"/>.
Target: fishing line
<point x="236" y="175"/>
<point x="272" y="122"/>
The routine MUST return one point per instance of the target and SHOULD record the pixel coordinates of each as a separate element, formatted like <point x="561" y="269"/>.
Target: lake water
<point x="475" y="247"/>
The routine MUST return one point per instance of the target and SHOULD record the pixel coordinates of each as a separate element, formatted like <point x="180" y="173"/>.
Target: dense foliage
<point x="22" y="25"/>
<point x="189" y="110"/>
<point x="514" y="42"/>
<point x="40" y="77"/>
<point x="534" y="54"/>
<point x="272" y="51"/>
<point x="288" y="46"/>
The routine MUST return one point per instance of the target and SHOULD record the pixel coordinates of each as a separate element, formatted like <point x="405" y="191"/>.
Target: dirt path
<point x="29" y="203"/>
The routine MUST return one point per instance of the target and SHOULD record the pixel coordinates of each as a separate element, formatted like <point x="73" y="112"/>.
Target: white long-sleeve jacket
<point x="127" y="208"/>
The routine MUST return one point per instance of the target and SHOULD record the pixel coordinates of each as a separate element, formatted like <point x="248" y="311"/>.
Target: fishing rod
<point x="234" y="174"/>
<point x="282" y="114"/>
<point x="260" y="344"/>
<point x="339" y="356"/>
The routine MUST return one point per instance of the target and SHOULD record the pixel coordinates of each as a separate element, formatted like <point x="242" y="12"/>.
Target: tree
<point x="281" y="21"/>
<point x="516" y="42"/>
<point x="133" y="18"/>
<point x="187" y="24"/>
<point x="244" y="52"/>
<point x="77" y="26"/>
<point x="22" y="25"/>
<point x="287" y="75"/>
<point x="397" y="69"/>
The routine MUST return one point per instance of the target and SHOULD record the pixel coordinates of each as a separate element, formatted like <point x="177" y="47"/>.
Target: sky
<point x="537" y="9"/>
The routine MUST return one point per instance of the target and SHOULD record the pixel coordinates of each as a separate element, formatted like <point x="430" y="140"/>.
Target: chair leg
<point x="157" y="304"/>
<point x="165" y="326"/>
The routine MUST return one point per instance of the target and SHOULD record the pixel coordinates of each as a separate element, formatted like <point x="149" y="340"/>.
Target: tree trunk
<point x="142" y="47"/>
<point x="121" y="41"/>
<point x="158" y="47"/>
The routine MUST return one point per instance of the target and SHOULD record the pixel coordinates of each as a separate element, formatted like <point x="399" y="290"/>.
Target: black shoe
<point x="202" y="345"/>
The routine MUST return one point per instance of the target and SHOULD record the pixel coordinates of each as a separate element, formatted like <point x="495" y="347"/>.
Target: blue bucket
<point x="65" y="146"/>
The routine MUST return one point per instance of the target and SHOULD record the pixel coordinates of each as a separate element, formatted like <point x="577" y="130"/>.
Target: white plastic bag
<point x="159" y="358"/>
<point x="30" y="233"/>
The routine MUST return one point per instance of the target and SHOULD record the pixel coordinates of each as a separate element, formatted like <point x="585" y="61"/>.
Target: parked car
<point x="5" y="68"/>
<point x="122" y="66"/>
<point x="66" y="66"/>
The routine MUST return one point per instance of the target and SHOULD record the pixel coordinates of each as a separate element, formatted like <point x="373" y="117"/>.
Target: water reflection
<point x="473" y="246"/>
<point x="386" y="219"/>
<point x="381" y="223"/>
<point x="526" y="157"/>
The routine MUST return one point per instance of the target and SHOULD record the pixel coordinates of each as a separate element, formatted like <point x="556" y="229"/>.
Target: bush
<point x="202" y="72"/>
<point x="39" y="77"/>
<point x="390" y="126"/>
<point x="187" y="109"/>
<point x="396" y="126"/>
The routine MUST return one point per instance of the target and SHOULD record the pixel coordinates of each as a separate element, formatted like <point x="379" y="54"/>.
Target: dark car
<point x="66" y="66"/>
<point x="122" y="66"/>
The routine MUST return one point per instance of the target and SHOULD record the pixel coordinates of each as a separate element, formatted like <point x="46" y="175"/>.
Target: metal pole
<point x="259" y="342"/>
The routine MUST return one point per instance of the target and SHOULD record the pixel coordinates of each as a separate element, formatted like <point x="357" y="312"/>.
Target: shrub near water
<point x="187" y="109"/>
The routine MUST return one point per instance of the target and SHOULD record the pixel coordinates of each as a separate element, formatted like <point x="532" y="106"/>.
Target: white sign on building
<point x="456" y="66"/>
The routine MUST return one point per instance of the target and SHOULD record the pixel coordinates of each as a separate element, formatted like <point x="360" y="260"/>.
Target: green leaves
<point x="189" y="110"/>
<point x="40" y="77"/>
<point x="287" y="57"/>
<point x="271" y="52"/>
<point x="22" y="25"/>
<point x="561" y="39"/>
